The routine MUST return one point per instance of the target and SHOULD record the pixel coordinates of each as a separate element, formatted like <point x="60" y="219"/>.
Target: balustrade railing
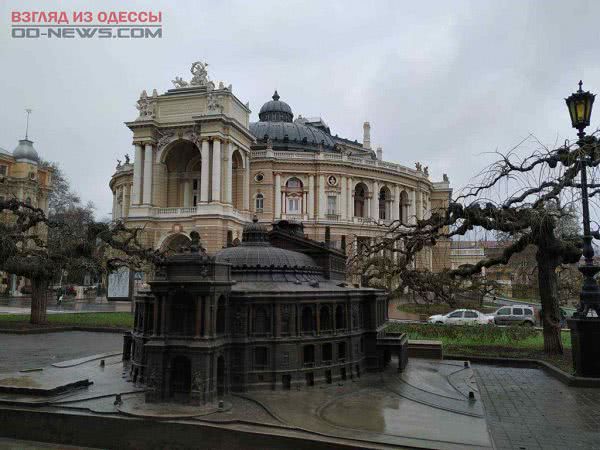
<point x="257" y="154"/>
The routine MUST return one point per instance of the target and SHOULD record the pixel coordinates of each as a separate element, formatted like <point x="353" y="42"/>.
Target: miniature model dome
<point x="255" y="259"/>
<point x="24" y="152"/>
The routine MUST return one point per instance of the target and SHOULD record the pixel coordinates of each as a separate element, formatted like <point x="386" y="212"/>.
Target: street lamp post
<point x="585" y="331"/>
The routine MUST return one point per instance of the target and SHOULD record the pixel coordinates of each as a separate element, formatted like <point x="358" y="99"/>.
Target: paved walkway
<point x="527" y="409"/>
<point x="26" y="351"/>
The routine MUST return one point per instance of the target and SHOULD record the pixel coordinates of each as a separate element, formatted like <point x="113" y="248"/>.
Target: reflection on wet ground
<point x="427" y="406"/>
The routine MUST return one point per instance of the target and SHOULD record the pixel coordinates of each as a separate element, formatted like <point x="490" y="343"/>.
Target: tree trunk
<point x="550" y="314"/>
<point x="39" y="300"/>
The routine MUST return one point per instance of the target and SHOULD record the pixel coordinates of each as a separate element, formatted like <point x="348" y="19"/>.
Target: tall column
<point x="228" y="173"/>
<point x="204" y="173"/>
<point x="412" y="207"/>
<point x="277" y="196"/>
<point x="375" y="201"/>
<point x="419" y="205"/>
<point x="343" y="192"/>
<point x="311" y="197"/>
<point x="136" y="190"/>
<point x="126" y="200"/>
<point x="322" y="199"/>
<point x="186" y="194"/>
<point x="350" y="206"/>
<point x="246" y="200"/>
<point x="123" y="200"/>
<point x="148" y="162"/>
<point x="216" y="171"/>
<point x="396" y="205"/>
<point x="115" y="205"/>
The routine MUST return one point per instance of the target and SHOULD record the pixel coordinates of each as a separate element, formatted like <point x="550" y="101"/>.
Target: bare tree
<point x="39" y="248"/>
<point x="526" y="198"/>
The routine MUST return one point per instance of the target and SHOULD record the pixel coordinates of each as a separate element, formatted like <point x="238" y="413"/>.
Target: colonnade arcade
<point x="307" y="196"/>
<point x="186" y="173"/>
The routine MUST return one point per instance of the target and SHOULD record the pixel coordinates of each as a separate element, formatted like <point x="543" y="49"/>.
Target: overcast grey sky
<point x="441" y="82"/>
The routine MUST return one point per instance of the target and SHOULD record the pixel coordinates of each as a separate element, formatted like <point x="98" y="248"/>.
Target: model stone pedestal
<point x="585" y="341"/>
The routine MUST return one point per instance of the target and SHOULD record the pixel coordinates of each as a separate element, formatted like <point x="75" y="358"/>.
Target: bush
<point x="472" y="334"/>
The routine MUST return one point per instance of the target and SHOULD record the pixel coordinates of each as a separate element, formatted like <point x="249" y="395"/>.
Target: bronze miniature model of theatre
<point x="274" y="312"/>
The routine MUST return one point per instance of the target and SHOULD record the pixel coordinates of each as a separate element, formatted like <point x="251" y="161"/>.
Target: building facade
<point x="24" y="178"/>
<point x="201" y="164"/>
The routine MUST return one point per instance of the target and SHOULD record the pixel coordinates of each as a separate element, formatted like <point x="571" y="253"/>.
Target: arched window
<point x="360" y="196"/>
<point x="259" y="202"/>
<point x="293" y="196"/>
<point x="403" y="208"/>
<point x="340" y="317"/>
<point x="307" y="319"/>
<point x="384" y="201"/>
<point x="237" y="180"/>
<point x="293" y="183"/>
<point x="261" y="320"/>
<point x="325" y="318"/>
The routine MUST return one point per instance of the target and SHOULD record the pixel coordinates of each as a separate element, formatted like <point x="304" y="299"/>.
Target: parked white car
<point x="462" y="317"/>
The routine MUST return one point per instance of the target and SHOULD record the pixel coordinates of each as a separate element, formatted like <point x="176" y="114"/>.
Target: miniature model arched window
<point x="341" y="350"/>
<point x="307" y="319"/>
<point x="327" y="352"/>
<point x="360" y="197"/>
<point x="259" y="202"/>
<point x="340" y="317"/>
<point x="182" y="314"/>
<point x="325" y="318"/>
<point x="221" y="315"/>
<point x="261" y="320"/>
<point x="309" y="355"/>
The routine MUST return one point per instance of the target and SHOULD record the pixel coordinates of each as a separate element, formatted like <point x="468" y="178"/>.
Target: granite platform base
<point x="432" y="404"/>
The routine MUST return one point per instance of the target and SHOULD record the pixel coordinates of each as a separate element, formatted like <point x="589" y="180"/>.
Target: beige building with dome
<point x="22" y="177"/>
<point x="200" y="164"/>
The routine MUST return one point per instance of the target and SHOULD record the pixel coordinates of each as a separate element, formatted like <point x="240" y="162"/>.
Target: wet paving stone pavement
<point x="527" y="409"/>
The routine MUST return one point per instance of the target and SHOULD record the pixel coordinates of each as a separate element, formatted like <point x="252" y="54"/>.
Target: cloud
<point x="441" y="82"/>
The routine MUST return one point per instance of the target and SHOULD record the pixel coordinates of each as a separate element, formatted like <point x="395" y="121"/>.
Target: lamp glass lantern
<point x="580" y="108"/>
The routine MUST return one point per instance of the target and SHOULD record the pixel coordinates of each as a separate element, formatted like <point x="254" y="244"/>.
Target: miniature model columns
<point x="136" y="190"/>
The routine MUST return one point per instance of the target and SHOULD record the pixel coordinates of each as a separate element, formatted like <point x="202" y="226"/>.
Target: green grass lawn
<point x="491" y="341"/>
<point x="95" y="319"/>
